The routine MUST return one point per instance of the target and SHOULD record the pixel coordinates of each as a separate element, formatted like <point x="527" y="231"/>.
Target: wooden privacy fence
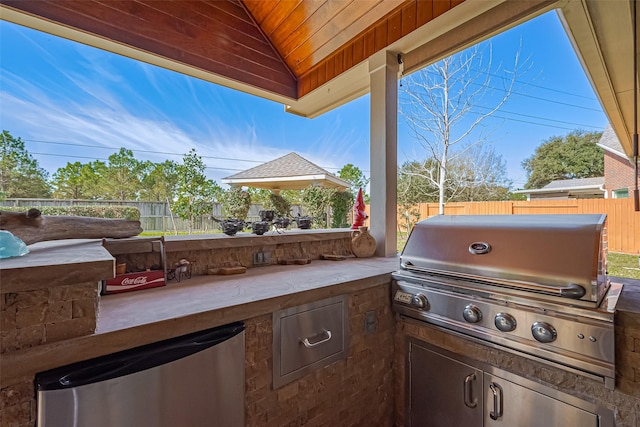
<point x="154" y="216"/>
<point x="623" y="224"/>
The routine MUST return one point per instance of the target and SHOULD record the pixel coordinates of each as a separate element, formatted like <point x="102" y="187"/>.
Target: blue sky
<point x="71" y="102"/>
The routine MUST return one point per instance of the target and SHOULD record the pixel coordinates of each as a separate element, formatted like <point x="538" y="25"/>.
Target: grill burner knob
<point x="505" y="322"/>
<point x="543" y="332"/>
<point x="420" y="301"/>
<point x="472" y="314"/>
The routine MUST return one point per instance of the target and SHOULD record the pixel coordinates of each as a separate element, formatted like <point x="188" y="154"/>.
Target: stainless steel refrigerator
<point x="189" y="381"/>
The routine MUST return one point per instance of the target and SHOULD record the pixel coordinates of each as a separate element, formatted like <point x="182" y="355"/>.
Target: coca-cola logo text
<point x="140" y="280"/>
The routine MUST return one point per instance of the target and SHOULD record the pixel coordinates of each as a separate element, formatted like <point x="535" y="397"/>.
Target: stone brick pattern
<point x="628" y="356"/>
<point x="17" y="406"/>
<point x="243" y="256"/>
<point x="618" y="174"/>
<point x="40" y="316"/>
<point x="625" y="398"/>
<point x="357" y="391"/>
<point x="37" y="317"/>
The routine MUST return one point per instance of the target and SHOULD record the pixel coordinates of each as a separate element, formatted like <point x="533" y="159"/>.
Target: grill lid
<point x="559" y="255"/>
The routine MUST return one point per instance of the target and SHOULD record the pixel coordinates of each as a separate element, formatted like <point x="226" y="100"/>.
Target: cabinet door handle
<point x="309" y="344"/>
<point x="497" y="401"/>
<point x="469" y="401"/>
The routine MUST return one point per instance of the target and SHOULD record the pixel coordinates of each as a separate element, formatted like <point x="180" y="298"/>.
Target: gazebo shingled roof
<point x="289" y="172"/>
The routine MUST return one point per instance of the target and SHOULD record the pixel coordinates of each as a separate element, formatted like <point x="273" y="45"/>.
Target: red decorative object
<point x="134" y="281"/>
<point x="359" y="215"/>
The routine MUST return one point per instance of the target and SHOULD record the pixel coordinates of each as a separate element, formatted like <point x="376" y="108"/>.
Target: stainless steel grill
<point x="531" y="284"/>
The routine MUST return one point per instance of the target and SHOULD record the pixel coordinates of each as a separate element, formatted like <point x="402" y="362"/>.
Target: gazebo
<point x="289" y="172"/>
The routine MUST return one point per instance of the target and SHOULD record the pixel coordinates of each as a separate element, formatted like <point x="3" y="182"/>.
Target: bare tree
<point x="445" y="104"/>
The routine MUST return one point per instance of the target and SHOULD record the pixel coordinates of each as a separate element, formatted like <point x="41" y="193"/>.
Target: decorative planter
<point x="362" y="242"/>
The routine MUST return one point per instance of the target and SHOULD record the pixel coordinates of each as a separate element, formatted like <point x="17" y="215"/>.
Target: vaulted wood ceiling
<point x="287" y="47"/>
<point x="312" y="55"/>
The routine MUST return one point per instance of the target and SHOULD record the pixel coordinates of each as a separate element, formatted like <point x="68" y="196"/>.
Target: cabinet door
<point x="443" y="392"/>
<point x="511" y="405"/>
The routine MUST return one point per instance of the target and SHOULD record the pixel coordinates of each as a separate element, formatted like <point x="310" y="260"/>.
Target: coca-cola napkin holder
<point x="135" y="281"/>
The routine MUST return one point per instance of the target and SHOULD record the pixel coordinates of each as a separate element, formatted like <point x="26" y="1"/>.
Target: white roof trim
<point x="561" y="189"/>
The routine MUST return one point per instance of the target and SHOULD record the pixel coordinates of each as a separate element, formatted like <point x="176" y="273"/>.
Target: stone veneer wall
<point x="628" y="357"/>
<point x="36" y="317"/>
<point x="243" y="256"/>
<point x="40" y="316"/>
<point x="625" y="398"/>
<point x="357" y="391"/>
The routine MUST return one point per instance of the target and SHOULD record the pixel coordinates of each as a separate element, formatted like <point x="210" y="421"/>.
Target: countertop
<point x="136" y="318"/>
<point x="61" y="262"/>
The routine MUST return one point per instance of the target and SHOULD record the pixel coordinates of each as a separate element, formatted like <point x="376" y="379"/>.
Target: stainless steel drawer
<point x="307" y="337"/>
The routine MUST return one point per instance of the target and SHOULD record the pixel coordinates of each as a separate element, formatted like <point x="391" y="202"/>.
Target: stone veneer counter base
<point x="132" y="319"/>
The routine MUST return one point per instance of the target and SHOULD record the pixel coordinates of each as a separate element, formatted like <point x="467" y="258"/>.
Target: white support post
<point x="383" y="70"/>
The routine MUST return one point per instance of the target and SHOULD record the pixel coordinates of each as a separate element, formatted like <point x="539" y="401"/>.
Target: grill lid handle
<point x="570" y="290"/>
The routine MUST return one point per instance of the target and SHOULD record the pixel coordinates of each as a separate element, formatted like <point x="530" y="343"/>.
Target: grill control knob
<point x="420" y="301"/>
<point x="472" y="314"/>
<point x="543" y="332"/>
<point x="505" y="322"/>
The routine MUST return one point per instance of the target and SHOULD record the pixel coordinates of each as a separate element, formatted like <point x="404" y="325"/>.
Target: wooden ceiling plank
<point x="348" y="57"/>
<point x="260" y="9"/>
<point x="424" y="11"/>
<point x="287" y="41"/>
<point x="342" y="37"/>
<point x="234" y="39"/>
<point x="278" y="15"/>
<point x="218" y="23"/>
<point x="299" y="19"/>
<point x="115" y="25"/>
<point x="440" y="7"/>
<point x="381" y="36"/>
<point x="394" y="27"/>
<point x="369" y="42"/>
<point x="358" y="49"/>
<point x="326" y="35"/>
<point x="409" y="18"/>
<point x="338" y="64"/>
<point x="322" y="75"/>
<point x="231" y="7"/>
<point x="330" y="67"/>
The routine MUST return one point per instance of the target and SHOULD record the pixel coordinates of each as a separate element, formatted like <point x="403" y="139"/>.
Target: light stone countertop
<point x="137" y="318"/>
<point x="280" y="285"/>
<point x="56" y="263"/>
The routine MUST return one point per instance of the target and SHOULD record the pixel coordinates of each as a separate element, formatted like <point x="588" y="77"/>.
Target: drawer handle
<point x="309" y="344"/>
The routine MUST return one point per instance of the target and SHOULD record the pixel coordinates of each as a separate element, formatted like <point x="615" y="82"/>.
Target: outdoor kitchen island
<point x="46" y="322"/>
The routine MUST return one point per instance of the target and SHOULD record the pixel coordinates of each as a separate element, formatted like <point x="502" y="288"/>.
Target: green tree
<point x="20" y="174"/>
<point x="159" y="181"/>
<point x="123" y="177"/>
<point x="315" y="202"/>
<point x="413" y="188"/>
<point x="92" y="176"/>
<point x="195" y="192"/>
<point x="280" y="205"/>
<point x="574" y="155"/>
<point x="341" y="204"/>
<point x="236" y="203"/>
<point x="68" y="182"/>
<point x="480" y="175"/>
<point x="356" y="178"/>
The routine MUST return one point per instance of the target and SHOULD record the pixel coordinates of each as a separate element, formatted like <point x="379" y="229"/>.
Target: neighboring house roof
<point x="560" y="184"/>
<point x="609" y="142"/>
<point x="584" y="185"/>
<point x="290" y="172"/>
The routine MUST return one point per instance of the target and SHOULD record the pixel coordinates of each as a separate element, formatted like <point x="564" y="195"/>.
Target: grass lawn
<point x="623" y="265"/>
